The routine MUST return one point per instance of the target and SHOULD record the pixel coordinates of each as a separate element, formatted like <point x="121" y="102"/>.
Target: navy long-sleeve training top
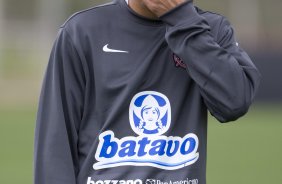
<point x="125" y="98"/>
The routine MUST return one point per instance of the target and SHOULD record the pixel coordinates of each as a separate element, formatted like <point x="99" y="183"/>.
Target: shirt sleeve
<point x="226" y="76"/>
<point x="59" y="114"/>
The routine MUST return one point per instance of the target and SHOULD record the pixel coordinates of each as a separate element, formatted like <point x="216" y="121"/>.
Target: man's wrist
<point x="183" y="12"/>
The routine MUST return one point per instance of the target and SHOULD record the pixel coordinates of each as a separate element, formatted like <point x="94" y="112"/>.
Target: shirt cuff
<point x="185" y="12"/>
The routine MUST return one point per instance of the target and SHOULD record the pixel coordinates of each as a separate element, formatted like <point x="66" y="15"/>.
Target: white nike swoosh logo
<point x="107" y="49"/>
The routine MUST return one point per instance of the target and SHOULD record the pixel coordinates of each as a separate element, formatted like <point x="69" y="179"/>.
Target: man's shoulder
<point x="216" y="21"/>
<point x="91" y="15"/>
<point x="207" y="13"/>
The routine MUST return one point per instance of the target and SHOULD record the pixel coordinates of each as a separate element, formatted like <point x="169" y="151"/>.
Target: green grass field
<point x="248" y="151"/>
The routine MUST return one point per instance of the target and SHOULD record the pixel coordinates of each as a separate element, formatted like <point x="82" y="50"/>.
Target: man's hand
<point x="160" y="7"/>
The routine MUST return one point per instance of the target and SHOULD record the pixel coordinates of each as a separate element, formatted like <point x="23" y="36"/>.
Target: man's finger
<point x="160" y="7"/>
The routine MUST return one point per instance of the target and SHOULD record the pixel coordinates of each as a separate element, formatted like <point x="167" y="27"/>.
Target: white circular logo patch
<point x="149" y="113"/>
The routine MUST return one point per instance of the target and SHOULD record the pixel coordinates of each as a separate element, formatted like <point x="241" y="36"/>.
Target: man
<point x="116" y="67"/>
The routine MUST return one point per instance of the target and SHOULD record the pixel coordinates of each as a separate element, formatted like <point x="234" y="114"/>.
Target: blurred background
<point x="246" y="152"/>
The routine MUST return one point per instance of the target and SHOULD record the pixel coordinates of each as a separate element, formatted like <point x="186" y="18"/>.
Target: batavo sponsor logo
<point x="150" y="117"/>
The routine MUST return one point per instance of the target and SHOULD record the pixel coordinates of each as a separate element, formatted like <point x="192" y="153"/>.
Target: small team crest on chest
<point x="150" y="113"/>
<point x="179" y="62"/>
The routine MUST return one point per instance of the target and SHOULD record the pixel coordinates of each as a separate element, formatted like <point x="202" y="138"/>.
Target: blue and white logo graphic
<point x="150" y="118"/>
<point x="150" y="113"/>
